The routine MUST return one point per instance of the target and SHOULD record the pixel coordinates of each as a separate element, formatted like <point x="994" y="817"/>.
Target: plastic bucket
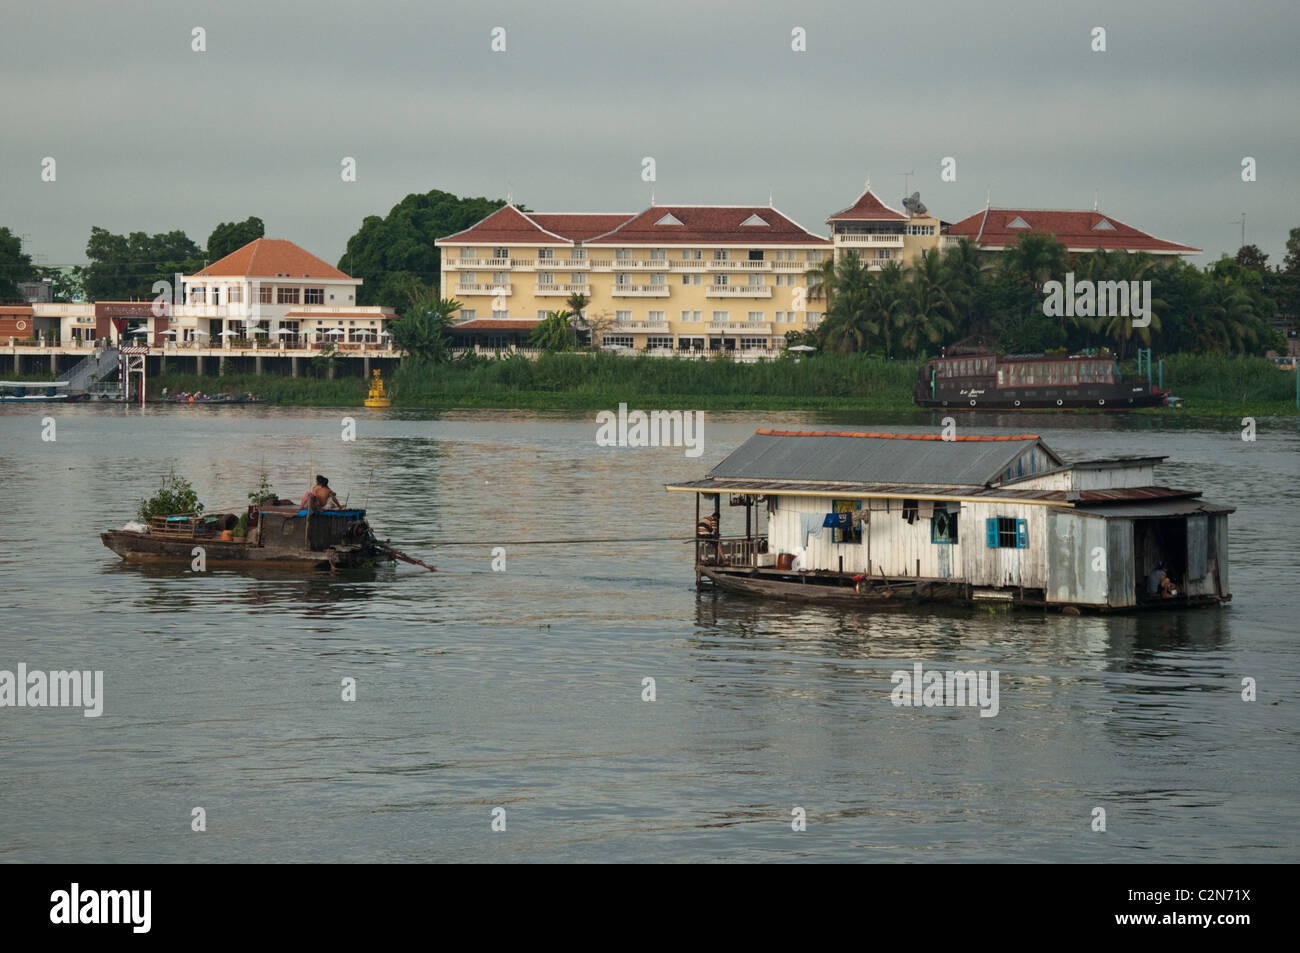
<point x="785" y="561"/>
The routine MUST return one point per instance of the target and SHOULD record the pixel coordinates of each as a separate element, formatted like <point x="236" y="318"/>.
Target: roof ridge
<point x="977" y="438"/>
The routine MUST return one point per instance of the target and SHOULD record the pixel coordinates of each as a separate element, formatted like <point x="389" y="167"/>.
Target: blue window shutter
<point x="1022" y="534"/>
<point x="991" y="532"/>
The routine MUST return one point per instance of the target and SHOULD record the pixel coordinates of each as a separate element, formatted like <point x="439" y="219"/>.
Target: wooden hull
<point x="876" y="598"/>
<point x="147" y="548"/>
<point x="1047" y="398"/>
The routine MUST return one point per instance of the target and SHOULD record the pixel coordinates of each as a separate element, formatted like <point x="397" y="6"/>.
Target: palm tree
<point x="1036" y="258"/>
<point x="889" y="302"/>
<point x="930" y="310"/>
<point x="555" y="333"/>
<point x="846" y="286"/>
<point x="422" y="332"/>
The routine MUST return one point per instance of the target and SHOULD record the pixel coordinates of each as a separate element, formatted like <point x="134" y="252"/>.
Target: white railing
<point x="561" y="289"/>
<point x="483" y="288"/>
<point x="757" y="330"/>
<point x="799" y="266"/>
<point x="640" y="291"/>
<point x="738" y="291"/>
<point x="893" y="241"/>
<point x="661" y="326"/>
<point x="739" y="264"/>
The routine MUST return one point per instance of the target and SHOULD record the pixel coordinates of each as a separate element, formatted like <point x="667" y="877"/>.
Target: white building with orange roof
<point x="879" y="235"/>
<point x="275" y="290"/>
<point x="997" y="229"/>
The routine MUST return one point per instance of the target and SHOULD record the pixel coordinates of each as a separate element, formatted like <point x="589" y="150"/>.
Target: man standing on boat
<point x="320" y="495"/>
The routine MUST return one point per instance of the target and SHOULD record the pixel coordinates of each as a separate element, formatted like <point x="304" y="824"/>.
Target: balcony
<point x="878" y="241"/>
<point x="797" y="266"/>
<point x="641" y="264"/>
<point x="744" y="328"/>
<point x="738" y="291"/>
<point x="561" y="289"/>
<point x="738" y="264"/>
<point x="660" y="327"/>
<point x="640" y="291"/>
<point x="690" y="264"/>
<point x="602" y="264"/>
<point x="483" y="288"/>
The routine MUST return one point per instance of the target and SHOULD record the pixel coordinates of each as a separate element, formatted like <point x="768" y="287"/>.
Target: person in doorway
<point x="1159" y="583"/>
<point x="320" y="495"/>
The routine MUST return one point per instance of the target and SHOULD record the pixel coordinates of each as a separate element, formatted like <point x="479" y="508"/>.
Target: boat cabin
<point x="969" y="518"/>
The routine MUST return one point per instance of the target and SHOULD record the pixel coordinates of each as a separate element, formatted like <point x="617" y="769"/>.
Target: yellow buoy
<point x="377" y="398"/>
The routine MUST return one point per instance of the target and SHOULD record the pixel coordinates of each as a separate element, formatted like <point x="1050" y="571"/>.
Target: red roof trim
<point x="973" y="438"/>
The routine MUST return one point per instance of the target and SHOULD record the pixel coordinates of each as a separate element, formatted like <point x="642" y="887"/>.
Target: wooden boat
<point x="824" y="588"/>
<point x="279" y="535"/>
<point x="988" y="381"/>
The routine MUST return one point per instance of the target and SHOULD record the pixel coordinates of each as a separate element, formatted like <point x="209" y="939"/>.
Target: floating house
<point x="880" y="519"/>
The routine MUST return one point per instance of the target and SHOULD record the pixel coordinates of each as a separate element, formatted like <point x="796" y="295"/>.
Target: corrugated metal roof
<point x="893" y="490"/>
<point x="1153" y="510"/>
<point x="893" y="459"/>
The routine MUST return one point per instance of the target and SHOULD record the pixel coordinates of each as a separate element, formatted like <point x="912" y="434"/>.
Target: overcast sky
<point x="149" y="135"/>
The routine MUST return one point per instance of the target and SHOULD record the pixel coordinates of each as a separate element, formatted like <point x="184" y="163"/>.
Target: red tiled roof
<point x="868" y="208"/>
<point x="980" y="438"/>
<point x="494" y="324"/>
<point x="578" y="226"/>
<point x="506" y="226"/>
<point x="1075" y="230"/>
<point x="271" y="258"/>
<point x="710" y="225"/>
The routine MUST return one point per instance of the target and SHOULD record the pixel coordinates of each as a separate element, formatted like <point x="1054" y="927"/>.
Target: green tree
<point x="929" y="311"/>
<point x="15" y="265"/>
<point x="1250" y="256"/>
<point x="65" y="283"/>
<point x="230" y="236"/>
<point x="555" y="332"/>
<point x="422" y="331"/>
<point x="849" y="323"/>
<point x="386" y="251"/>
<point x="124" y="267"/>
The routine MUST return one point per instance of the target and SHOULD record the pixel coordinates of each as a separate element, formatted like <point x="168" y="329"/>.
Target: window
<point x="658" y="317"/>
<point x="622" y="278"/>
<point x="846" y="531"/>
<point x="501" y="253"/>
<point x="623" y="254"/>
<point x="658" y="254"/>
<point x="467" y="314"/>
<point x="616" y="340"/>
<point x="1006" y="532"/>
<point x="920" y="229"/>
<point x="578" y="254"/>
<point x="756" y="281"/>
<point x="689" y="316"/>
<point x="692" y="254"/>
<point x="500" y="315"/>
<point x="236" y="295"/>
<point x="286" y="295"/>
<point x="814" y="256"/>
<point x="469" y="253"/>
<point x="720" y="254"/>
<point x="721" y="317"/>
<point x="756" y="254"/>
<point x="623" y="317"/>
<point x="657" y="280"/>
<point x="813" y="319"/>
<point x="755" y="317"/>
<point x="545" y="254"/>
<point x="500" y="278"/>
<point x="578" y="278"/>
<point x="666" y="343"/>
<point x="546" y="277"/>
<point x="198" y="295"/>
<point x="216" y="296"/>
<point x="692" y="279"/>
<point x="754" y="344"/>
<point x="542" y="314"/>
<point x="313" y="296"/>
<point x="721" y="280"/>
<point x="943" y="526"/>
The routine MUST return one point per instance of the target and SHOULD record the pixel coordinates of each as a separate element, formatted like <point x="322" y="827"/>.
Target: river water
<point x="522" y="689"/>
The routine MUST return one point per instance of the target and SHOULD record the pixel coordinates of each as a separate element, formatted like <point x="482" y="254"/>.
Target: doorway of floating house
<point x="1156" y="541"/>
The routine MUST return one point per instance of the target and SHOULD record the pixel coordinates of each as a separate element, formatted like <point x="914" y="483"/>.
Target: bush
<point x="174" y="497"/>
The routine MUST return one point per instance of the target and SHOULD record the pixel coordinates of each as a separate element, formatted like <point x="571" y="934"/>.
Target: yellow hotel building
<point x="671" y="279"/>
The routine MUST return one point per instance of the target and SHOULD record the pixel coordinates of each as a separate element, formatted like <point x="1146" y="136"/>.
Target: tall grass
<point x="1228" y="378"/>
